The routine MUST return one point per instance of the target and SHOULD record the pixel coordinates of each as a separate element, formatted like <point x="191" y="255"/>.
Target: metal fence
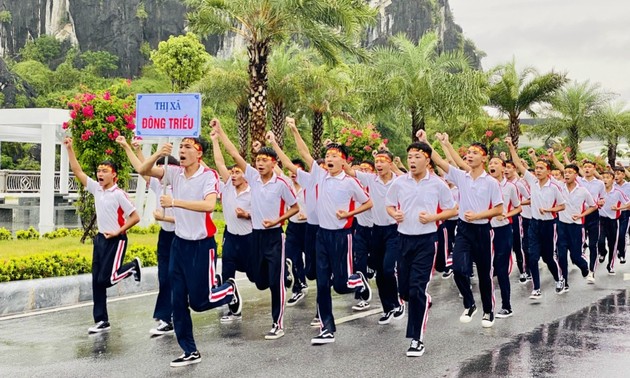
<point x="13" y="181"/>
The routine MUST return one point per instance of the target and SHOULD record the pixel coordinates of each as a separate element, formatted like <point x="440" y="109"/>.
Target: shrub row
<point x="57" y="264"/>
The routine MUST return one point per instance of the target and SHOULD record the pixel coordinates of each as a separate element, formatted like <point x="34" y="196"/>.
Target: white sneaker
<point x="590" y="278"/>
<point x="163" y="328"/>
<point x="361" y="306"/>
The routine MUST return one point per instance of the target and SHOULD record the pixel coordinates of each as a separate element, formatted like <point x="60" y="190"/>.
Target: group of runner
<point x="348" y="224"/>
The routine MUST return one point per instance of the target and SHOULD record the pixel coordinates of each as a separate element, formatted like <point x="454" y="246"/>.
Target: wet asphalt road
<point x="586" y="331"/>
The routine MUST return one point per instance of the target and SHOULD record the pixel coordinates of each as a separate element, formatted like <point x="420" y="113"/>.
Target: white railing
<point x="12" y="181"/>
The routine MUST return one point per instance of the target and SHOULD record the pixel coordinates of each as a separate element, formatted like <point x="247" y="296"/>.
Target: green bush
<point x="57" y="264"/>
<point x="45" y="265"/>
<point x="29" y="234"/>
<point x="153" y="228"/>
<point x="5" y="234"/>
<point x="59" y="233"/>
<point x="76" y="233"/>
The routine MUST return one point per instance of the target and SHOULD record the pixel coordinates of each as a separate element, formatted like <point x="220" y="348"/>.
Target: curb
<point x="18" y="297"/>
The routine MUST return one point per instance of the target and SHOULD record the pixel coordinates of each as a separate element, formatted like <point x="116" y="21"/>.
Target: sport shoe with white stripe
<point x="99" y="327"/>
<point x="416" y="349"/>
<point x="163" y="328"/>
<point x="275" y="333"/>
<point x="324" y="337"/>
<point x="361" y="306"/>
<point x="186" y="359"/>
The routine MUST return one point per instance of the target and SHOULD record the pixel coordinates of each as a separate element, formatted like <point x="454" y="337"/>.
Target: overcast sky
<point x="590" y="40"/>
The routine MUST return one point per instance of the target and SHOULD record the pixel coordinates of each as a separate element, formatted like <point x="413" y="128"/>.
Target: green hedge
<point x="59" y="264"/>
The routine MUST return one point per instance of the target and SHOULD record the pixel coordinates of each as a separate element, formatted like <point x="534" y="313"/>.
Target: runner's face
<point x="495" y="168"/>
<point x="510" y="171"/>
<point x="383" y="165"/>
<point x="105" y="175"/>
<point x="569" y="175"/>
<point x="265" y="164"/>
<point x="236" y="175"/>
<point x="620" y="177"/>
<point x="189" y="153"/>
<point x="541" y="171"/>
<point x="475" y="157"/>
<point x="417" y="162"/>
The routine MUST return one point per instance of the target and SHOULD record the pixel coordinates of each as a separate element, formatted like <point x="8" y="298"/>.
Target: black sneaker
<point x="230" y="318"/>
<point x="448" y="272"/>
<point x="504" y="313"/>
<point x="487" y="320"/>
<point x="102" y="326"/>
<point x="386" y="318"/>
<point x="399" y="313"/>
<point x="315" y="322"/>
<point x="295" y="298"/>
<point x="622" y="260"/>
<point x="218" y="280"/>
<point x="324" y="337"/>
<point x="611" y="271"/>
<point x="163" y="328"/>
<point x="602" y="258"/>
<point x="370" y="273"/>
<point x="186" y="359"/>
<point x="237" y="302"/>
<point x="522" y="278"/>
<point x="275" y="333"/>
<point x="288" y="282"/>
<point x="566" y="288"/>
<point x="366" y="293"/>
<point x="535" y="295"/>
<point x="361" y="305"/>
<point x="560" y="286"/>
<point x="416" y="349"/>
<point x="584" y="272"/>
<point x="137" y="270"/>
<point x="468" y="314"/>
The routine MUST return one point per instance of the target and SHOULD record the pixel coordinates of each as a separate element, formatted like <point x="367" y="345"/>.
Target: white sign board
<point x="168" y="115"/>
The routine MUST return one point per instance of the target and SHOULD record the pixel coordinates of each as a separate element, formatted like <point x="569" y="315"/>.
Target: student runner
<point x="614" y="203"/>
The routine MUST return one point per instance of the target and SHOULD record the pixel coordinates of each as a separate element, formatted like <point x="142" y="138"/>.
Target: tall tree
<point x="284" y="64"/>
<point x="513" y="93"/>
<point x="331" y="27"/>
<point x="576" y="113"/>
<point x="182" y="59"/>
<point x="415" y="80"/>
<point x="226" y="82"/>
<point x="614" y="124"/>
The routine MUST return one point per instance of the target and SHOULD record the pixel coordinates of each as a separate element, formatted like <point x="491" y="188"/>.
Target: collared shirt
<point x="510" y="201"/>
<point x="300" y="196"/>
<point x="595" y="186"/>
<point x="377" y="190"/>
<point x="158" y="189"/>
<point x="523" y="195"/>
<point x="431" y="194"/>
<point x="477" y="195"/>
<point x="269" y="199"/>
<point x="613" y="198"/>
<point x="311" y="192"/>
<point x="340" y="192"/>
<point x="112" y="206"/>
<point x="544" y="197"/>
<point x="455" y="194"/>
<point x="192" y="225"/>
<point x="576" y="202"/>
<point x="231" y="200"/>
<point x="625" y="189"/>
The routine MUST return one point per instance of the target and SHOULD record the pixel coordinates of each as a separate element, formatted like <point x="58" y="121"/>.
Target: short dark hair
<point x="618" y="168"/>
<point x="422" y="146"/>
<point x="589" y="162"/>
<point x="170" y="160"/>
<point x="546" y="162"/>
<point x="337" y="146"/>
<point x="199" y="141"/>
<point x="386" y="153"/>
<point x="480" y="145"/>
<point x="503" y="163"/>
<point x="368" y="162"/>
<point x="573" y="167"/>
<point x="110" y="164"/>
<point x="267" y="151"/>
<point x="299" y="162"/>
<point x="510" y="162"/>
<point x="608" y="172"/>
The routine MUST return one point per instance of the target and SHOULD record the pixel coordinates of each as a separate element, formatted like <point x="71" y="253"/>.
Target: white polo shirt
<point x="340" y="192"/>
<point x="510" y="201"/>
<point x="455" y="194"/>
<point x="525" y="194"/>
<point x="625" y="189"/>
<point x="112" y="206"/>
<point x="545" y="197"/>
<point x="431" y="194"/>
<point x="480" y="194"/>
<point x="158" y="189"/>
<point x="576" y="201"/>
<point x="300" y="196"/>
<point x="377" y="190"/>
<point x="613" y="198"/>
<point x="231" y="201"/>
<point x="595" y="186"/>
<point x="270" y="199"/>
<point x="311" y="192"/>
<point x="192" y="225"/>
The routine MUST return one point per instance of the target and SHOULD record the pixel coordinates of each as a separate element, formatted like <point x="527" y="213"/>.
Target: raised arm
<point x="136" y="158"/>
<point x="284" y="159"/>
<point x="450" y="152"/>
<point x="74" y="163"/>
<point x="219" y="161"/>
<point x="517" y="160"/>
<point x="229" y="146"/>
<point x="299" y="142"/>
<point x="437" y="159"/>
<point x="147" y="167"/>
<point x="554" y="159"/>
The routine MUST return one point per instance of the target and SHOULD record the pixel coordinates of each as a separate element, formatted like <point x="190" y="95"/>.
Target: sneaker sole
<point x="291" y="304"/>
<point x="186" y="363"/>
<point x="274" y="337"/>
<point x="503" y="316"/>
<point x="155" y="332"/>
<point x="322" y="341"/>
<point x="485" y="324"/>
<point x="138" y="276"/>
<point x="355" y="308"/>
<point x="236" y="294"/>
<point x="98" y="332"/>
<point x="467" y="319"/>
<point x="534" y="298"/>
<point x="385" y="322"/>
<point x="415" y="354"/>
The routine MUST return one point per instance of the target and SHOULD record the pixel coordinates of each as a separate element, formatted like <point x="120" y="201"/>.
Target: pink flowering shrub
<point x="361" y="141"/>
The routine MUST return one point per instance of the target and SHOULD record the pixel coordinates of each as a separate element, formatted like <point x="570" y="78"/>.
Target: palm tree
<point x="226" y="81"/>
<point x="415" y="80"/>
<point x="513" y="93"/>
<point x="615" y="121"/>
<point x="284" y="64"/>
<point x="576" y="112"/>
<point x="329" y="27"/>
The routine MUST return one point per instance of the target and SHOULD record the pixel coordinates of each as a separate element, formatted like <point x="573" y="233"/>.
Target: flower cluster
<point x="96" y="120"/>
<point x="360" y="141"/>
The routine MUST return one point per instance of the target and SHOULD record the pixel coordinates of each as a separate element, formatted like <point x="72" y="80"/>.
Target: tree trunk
<point x="318" y="131"/>
<point x="258" y="53"/>
<point x="277" y="122"/>
<point x="515" y="129"/>
<point x="573" y="141"/>
<point x="417" y="123"/>
<point x="612" y="149"/>
<point x="242" y="118"/>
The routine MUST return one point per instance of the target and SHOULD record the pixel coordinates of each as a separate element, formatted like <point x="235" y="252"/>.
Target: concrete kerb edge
<point x="18" y="297"/>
